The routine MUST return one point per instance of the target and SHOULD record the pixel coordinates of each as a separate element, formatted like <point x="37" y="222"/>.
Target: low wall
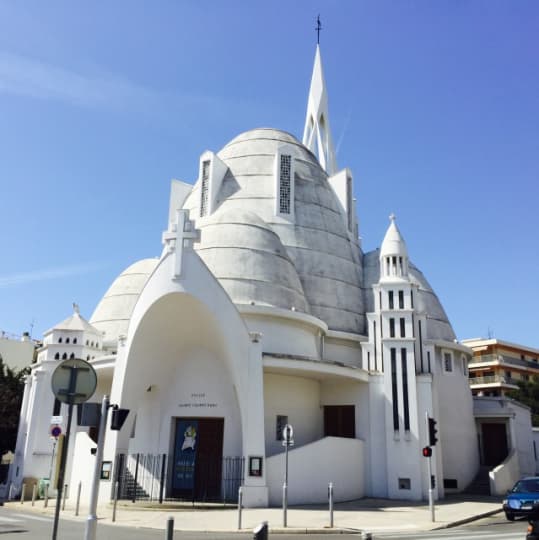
<point x="313" y="466"/>
<point x="504" y="476"/>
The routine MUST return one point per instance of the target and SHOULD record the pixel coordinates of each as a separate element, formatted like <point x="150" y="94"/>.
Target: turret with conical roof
<point x="393" y="254"/>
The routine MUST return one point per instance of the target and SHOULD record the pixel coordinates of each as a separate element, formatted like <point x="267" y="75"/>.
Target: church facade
<point x="263" y="311"/>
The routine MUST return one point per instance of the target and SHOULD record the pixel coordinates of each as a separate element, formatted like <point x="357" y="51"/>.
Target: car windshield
<point x="530" y="485"/>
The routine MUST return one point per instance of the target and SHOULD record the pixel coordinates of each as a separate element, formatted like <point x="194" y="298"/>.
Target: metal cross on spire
<point x="318" y="28"/>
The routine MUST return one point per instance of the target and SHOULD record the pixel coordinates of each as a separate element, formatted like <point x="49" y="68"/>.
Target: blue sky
<point x="433" y="105"/>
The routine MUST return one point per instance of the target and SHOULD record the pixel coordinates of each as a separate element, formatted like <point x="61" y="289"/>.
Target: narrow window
<point x="59" y="340"/>
<point x="204" y="188"/>
<point x="403" y="327"/>
<point x="421" y="347"/>
<point x="64" y="356"/>
<point x="412" y="299"/>
<point x="285" y="183"/>
<point x="280" y="423"/>
<point x="390" y="299"/>
<point x="87" y="342"/>
<point x="57" y="356"/>
<point x="448" y="362"/>
<point x="67" y="340"/>
<point x="375" y="340"/>
<point x="428" y="361"/>
<point x="401" y="299"/>
<point x="405" y="390"/>
<point x="74" y="341"/>
<point x="72" y="355"/>
<point x="392" y="327"/>
<point x="394" y="390"/>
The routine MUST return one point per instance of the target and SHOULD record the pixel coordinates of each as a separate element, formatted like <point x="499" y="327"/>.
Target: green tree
<point x="528" y="394"/>
<point x="11" y="392"/>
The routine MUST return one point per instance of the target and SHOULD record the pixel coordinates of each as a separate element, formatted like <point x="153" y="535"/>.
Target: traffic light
<point x="432" y="432"/>
<point x="427" y="451"/>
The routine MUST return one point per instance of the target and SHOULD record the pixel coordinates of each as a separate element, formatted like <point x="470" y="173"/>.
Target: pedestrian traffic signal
<point x="432" y="432"/>
<point x="427" y="451"/>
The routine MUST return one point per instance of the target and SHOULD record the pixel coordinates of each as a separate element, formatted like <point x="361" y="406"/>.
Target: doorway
<point x="198" y="454"/>
<point x="495" y="448"/>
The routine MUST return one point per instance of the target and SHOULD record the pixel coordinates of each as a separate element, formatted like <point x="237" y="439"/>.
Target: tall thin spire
<point x="317" y="134"/>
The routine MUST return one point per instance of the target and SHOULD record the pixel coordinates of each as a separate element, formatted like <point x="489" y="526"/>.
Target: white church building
<point x="264" y="311"/>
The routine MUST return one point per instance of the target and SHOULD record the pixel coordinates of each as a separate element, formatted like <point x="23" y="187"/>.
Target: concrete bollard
<point x="78" y="499"/>
<point x="10" y="492"/>
<point x="34" y="494"/>
<point x="261" y="531"/>
<point x="23" y="490"/>
<point x="170" y="528"/>
<point x="240" y="506"/>
<point x="116" y="487"/>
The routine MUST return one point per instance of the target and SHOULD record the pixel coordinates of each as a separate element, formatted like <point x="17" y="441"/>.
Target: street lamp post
<point x="288" y="433"/>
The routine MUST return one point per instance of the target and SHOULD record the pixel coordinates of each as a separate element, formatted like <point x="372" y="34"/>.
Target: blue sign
<point x="185" y="454"/>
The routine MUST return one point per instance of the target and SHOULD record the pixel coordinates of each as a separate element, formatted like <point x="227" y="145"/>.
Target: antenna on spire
<point x="318" y="28"/>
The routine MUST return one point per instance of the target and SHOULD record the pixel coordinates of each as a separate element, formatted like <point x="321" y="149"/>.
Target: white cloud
<point x="21" y="75"/>
<point x="47" y="274"/>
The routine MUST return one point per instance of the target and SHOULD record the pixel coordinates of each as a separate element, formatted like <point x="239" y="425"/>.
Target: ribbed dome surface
<point x="326" y="258"/>
<point x="113" y="312"/>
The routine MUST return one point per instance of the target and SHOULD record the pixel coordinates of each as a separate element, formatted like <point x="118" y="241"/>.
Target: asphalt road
<point x="20" y="525"/>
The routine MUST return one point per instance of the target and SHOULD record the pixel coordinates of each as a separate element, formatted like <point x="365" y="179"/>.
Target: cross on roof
<point x="179" y="235"/>
<point x="318" y="28"/>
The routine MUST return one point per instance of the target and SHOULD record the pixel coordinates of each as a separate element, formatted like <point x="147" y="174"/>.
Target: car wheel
<point x="509" y="516"/>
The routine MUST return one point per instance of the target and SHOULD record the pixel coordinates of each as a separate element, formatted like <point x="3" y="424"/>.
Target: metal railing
<point x="493" y="379"/>
<point x="145" y="477"/>
<point x="502" y="359"/>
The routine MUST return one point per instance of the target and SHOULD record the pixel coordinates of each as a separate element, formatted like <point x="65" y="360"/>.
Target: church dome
<point x="112" y="314"/>
<point x="315" y="245"/>
<point x="426" y="300"/>
<point x="250" y="261"/>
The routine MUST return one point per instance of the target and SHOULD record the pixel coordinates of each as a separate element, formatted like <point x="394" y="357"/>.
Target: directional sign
<point x="74" y="381"/>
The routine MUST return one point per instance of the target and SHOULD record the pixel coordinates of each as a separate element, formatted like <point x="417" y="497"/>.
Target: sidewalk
<point x="369" y="515"/>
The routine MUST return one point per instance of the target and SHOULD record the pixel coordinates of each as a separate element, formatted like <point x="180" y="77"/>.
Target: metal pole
<point x="46" y="502"/>
<point x="52" y="458"/>
<point x="240" y="503"/>
<point x="91" y="522"/>
<point x="170" y="528"/>
<point x="34" y="493"/>
<point x="116" y="487"/>
<point x="78" y="499"/>
<point x="429" y="469"/>
<point x="63" y="457"/>
<point x="285" y="485"/>
<point x="330" y="493"/>
<point x="65" y="497"/>
<point x="162" y="482"/>
<point x="136" y="479"/>
<point x="23" y="490"/>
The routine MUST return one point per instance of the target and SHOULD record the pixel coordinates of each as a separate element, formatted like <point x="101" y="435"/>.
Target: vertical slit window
<point x="403" y="327"/>
<point x="204" y="188"/>
<point x="390" y="299"/>
<point x="285" y="185"/>
<point x="428" y="361"/>
<point x="412" y="299"/>
<point x="394" y="390"/>
<point x="375" y="339"/>
<point x="405" y="391"/>
<point x="392" y="327"/>
<point x="401" y="299"/>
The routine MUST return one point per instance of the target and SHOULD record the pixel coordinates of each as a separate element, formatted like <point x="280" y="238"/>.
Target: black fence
<point x="148" y="477"/>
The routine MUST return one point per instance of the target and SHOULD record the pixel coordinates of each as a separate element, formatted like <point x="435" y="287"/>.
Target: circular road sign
<point x="56" y="431"/>
<point x="74" y="381"/>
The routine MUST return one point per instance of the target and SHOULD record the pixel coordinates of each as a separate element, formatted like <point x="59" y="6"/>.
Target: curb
<point x="468" y="520"/>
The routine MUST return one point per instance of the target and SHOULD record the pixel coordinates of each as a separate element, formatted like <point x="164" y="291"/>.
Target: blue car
<point x="522" y="499"/>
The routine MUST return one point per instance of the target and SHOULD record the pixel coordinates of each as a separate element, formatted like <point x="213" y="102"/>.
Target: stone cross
<point x="178" y="236"/>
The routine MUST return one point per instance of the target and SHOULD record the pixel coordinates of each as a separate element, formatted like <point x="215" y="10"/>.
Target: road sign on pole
<point x="73" y="381"/>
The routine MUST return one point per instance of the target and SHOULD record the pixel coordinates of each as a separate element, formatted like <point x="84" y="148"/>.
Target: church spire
<point x="393" y="253"/>
<point x="317" y="135"/>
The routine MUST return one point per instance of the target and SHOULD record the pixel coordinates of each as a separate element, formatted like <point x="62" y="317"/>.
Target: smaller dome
<point x="393" y="244"/>
<point x="112" y="314"/>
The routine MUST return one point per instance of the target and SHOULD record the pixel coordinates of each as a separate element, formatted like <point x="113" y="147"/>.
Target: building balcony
<point x="500" y="359"/>
<point x="493" y="380"/>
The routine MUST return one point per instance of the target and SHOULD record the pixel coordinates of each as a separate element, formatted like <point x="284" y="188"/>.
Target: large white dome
<point x="316" y="247"/>
<point x="112" y="314"/>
